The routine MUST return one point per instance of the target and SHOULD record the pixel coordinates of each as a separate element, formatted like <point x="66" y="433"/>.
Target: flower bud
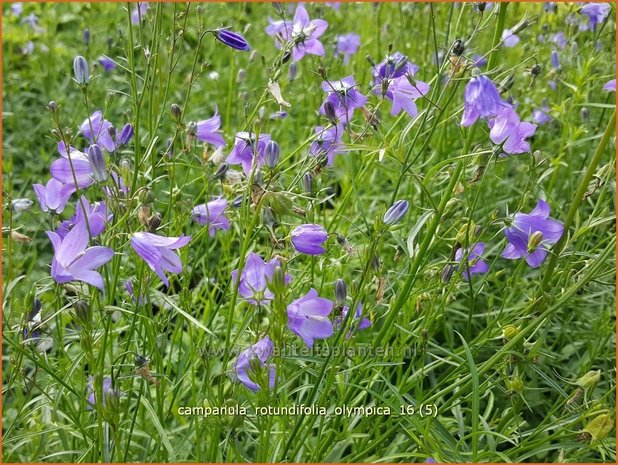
<point x="240" y="76"/>
<point x="585" y="114"/>
<point x="340" y="292"/>
<point x="447" y="273"/>
<point x="271" y="154"/>
<point x="126" y="134"/>
<point x="506" y="83"/>
<point x="253" y="55"/>
<point x="589" y="379"/>
<point x="146" y="197"/>
<point x="176" y="113"/>
<point x="535" y="240"/>
<point x="555" y="60"/>
<point x="293" y="71"/>
<point x="221" y="170"/>
<point x="97" y="163"/>
<point x="329" y="112"/>
<point x="232" y="39"/>
<point x="277" y="284"/>
<point x="125" y="170"/>
<point x="86" y="36"/>
<point x="21" y="205"/>
<point x="52" y="106"/>
<point x="515" y="384"/>
<point x="396" y="212"/>
<point x="278" y="7"/>
<point x="82" y="311"/>
<point x="509" y="332"/>
<point x="80" y="70"/>
<point x="237" y="202"/>
<point x="480" y="6"/>
<point x="308" y="183"/>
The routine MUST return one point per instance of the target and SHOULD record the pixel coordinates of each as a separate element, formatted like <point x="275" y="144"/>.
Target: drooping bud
<point x="97" y="163"/>
<point x="396" y="212"/>
<point x="221" y="170"/>
<point x="240" y="76"/>
<point x="52" y="106"/>
<point x="80" y="70"/>
<point x="535" y="239"/>
<point x="341" y="291"/>
<point x="232" y="39"/>
<point x="271" y="154"/>
<point x="21" y="205"/>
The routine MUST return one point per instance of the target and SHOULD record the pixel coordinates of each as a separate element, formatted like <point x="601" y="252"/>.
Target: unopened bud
<point x="81" y="71"/>
<point x="221" y="170"/>
<point x="447" y="273"/>
<point x="240" y="76"/>
<point x="277" y="283"/>
<point x="396" y="212"/>
<point x="97" y="163"/>
<point x="154" y="222"/>
<point x="509" y="332"/>
<point x="340" y="292"/>
<point x="176" y="112"/>
<point x="459" y="47"/>
<point x="82" y="311"/>
<point x="271" y="154"/>
<point x="293" y="71"/>
<point x="146" y="197"/>
<point x="52" y="106"/>
<point x="308" y="183"/>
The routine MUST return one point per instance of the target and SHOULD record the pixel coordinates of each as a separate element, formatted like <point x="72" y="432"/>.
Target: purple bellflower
<point x="596" y="12"/>
<point x="62" y="171"/>
<point x="139" y="12"/>
<point x="479" y="61"/>
<point x="246" y="148"/>
<point x="359" y="322"/>
<point x="97" y="216"/>
<point x="394" y="66"/>
<point x="344" y="97"/>
<point x="254" y="279"/>
<point x="53" y="197"/>
<point x="475" y="264"/>
<point x="74" y="261"/>
<point x="158" y="252"/>
<point x="107" y="63"/>
<point x="610" y="86"/>
<point x="327" y="142"/>
<point x="97" y="131"/>
<point x="347" y="45"/>
<point x="482" y="100"/>
<point x="507" y="129"/>
<point x="541" y="115"/>
<point x="308" y="239"/>
<point x="244" y="368"/>
<point x="308" y="317"/>
<point x="279" y="29"/>
<point x="305" y="34"/>
<point x="209" y="131"/>
<point x="108" y="391"/>
<point x="531" y="235"/>
<point x="212" y="214"/>
<point x="509" y="39"/>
